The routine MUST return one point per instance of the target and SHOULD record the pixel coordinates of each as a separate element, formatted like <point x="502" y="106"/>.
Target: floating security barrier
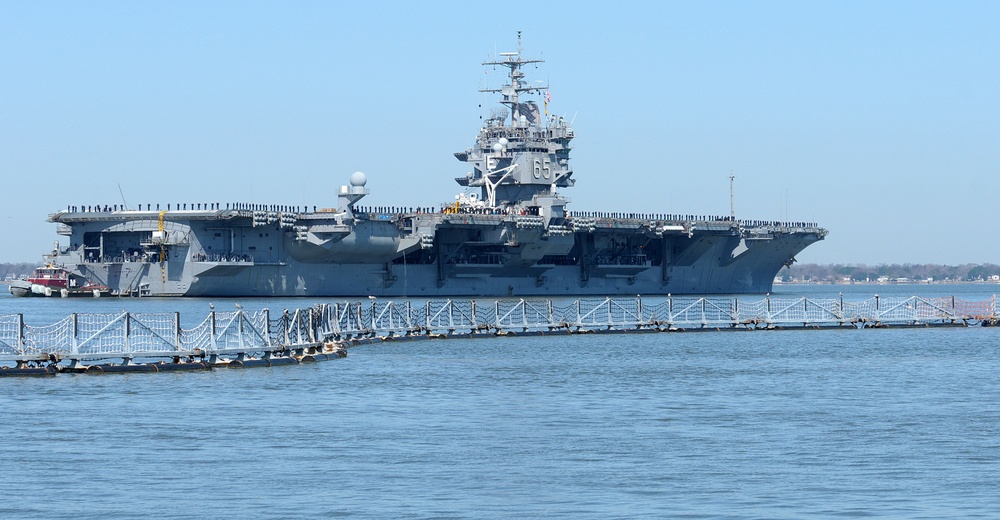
<point x="241" y="339"/>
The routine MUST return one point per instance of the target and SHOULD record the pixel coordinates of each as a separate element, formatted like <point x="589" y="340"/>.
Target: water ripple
<point x="896" y="423"/>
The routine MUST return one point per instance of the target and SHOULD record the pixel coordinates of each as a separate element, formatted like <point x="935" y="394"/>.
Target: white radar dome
<point x="497" y="147"/>
<point x="359" y="179"/>
<point x="503" y="141"/>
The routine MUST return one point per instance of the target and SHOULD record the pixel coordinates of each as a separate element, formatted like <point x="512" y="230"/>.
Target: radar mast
<point x="517" y="85"/>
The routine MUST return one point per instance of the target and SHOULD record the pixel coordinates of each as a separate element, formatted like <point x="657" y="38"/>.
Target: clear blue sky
<point x="879" y="120"/>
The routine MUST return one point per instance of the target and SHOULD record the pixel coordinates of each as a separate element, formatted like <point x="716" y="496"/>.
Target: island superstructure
<point x="510" y="233"/>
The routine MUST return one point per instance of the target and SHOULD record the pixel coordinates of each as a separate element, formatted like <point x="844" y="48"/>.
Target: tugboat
<point x="52" y="280"/>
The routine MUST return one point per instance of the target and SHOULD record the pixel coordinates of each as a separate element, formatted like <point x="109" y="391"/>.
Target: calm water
<point x="792" y="424"/>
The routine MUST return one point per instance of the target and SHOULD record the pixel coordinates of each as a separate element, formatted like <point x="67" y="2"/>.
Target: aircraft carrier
<point x="510" y="233"/>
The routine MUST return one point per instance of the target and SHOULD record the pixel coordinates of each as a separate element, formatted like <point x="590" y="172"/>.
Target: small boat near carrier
<point x="53" y="280"/>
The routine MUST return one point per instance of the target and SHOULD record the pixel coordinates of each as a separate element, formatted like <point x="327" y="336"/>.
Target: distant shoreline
<point x="911" y="282"/>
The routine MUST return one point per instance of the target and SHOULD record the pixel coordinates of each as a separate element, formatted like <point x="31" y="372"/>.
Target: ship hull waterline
<point x="753" y="273"/>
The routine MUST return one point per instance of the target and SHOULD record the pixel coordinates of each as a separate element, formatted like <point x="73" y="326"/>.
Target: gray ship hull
<point x="727" y="260"/>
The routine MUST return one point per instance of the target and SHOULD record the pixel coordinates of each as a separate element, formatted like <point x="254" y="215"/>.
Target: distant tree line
<point x="913" y="272"/>
<point x="16" y="270"/>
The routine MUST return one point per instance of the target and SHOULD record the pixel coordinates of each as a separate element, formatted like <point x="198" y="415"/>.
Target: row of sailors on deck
<point x="208" y="206"/>
<point x="391" y="210"/>
<point x="648" y="216"/>
<point x="293" y="209"/>
<point x="696" y="218"/>
<point x="149" y="207"/>
<point x="775" y="223"/>
<point x="396" y="210"/>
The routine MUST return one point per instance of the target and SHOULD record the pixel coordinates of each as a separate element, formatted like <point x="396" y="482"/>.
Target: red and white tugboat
<point x="52" y="280"/>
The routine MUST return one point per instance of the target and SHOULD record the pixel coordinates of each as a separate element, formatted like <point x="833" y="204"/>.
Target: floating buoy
<point x="111" y="369"/>
<point x="28" y="372"/>
<point x="197" y="365"/>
